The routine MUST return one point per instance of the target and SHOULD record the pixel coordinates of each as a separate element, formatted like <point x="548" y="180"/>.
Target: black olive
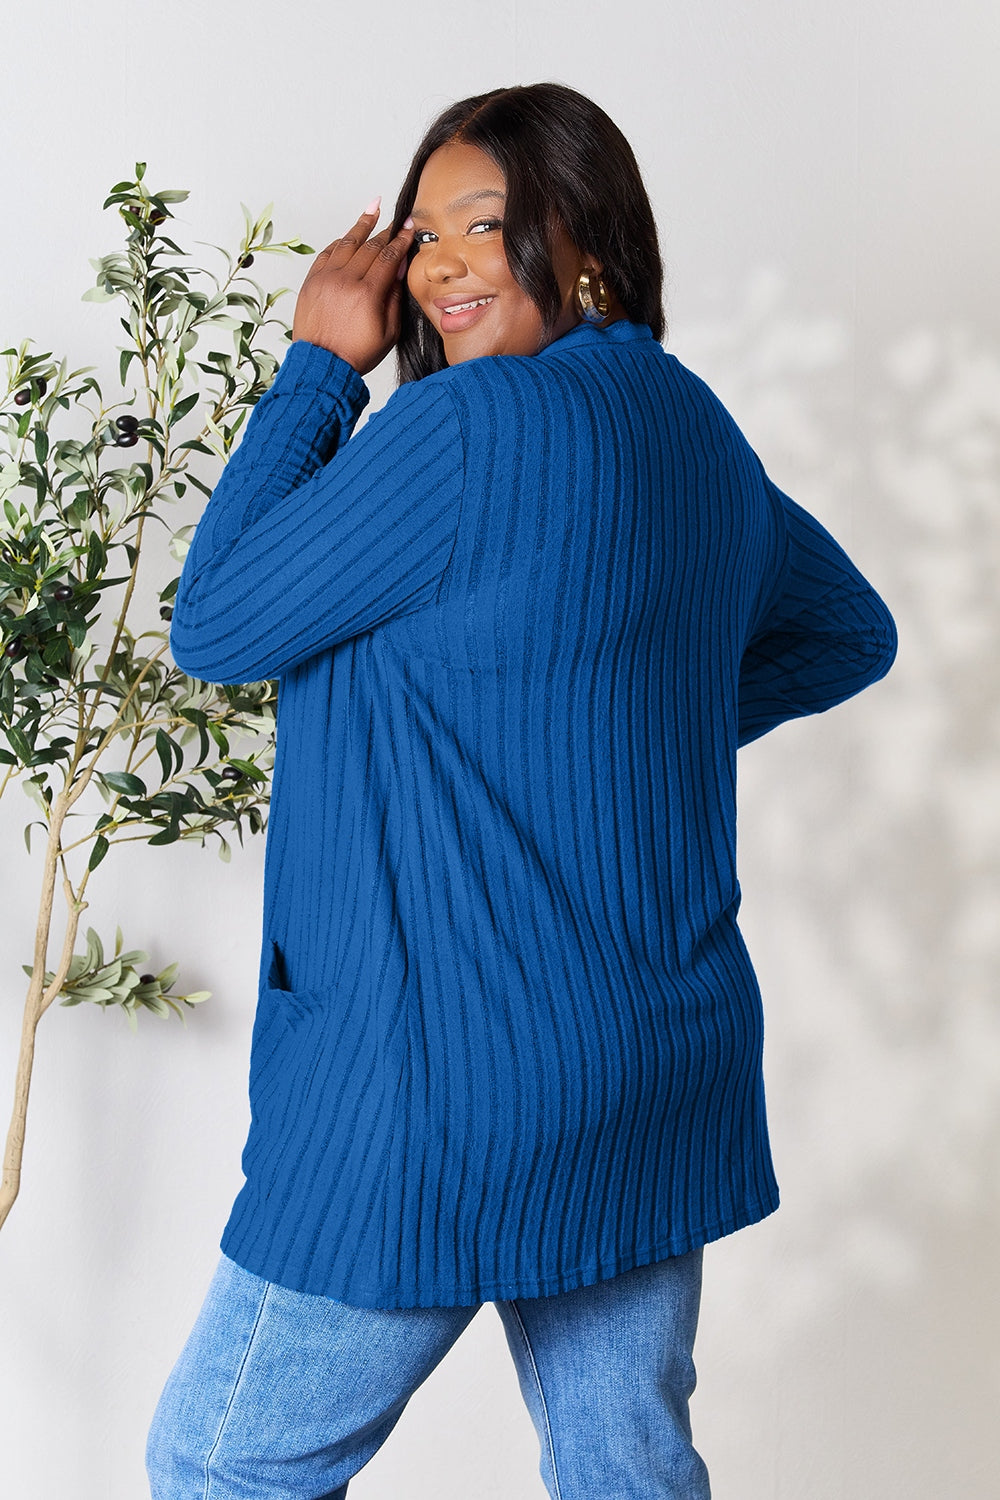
<point x="166" y="612"/>
<point x="231" y="774"/>
<point x="247" y="260"/>
<point x="147" y="978"/>
<point x="126" y="423"/>
<point x="126" y="440"/>
<point x="13" y="648"/>
<point x="157" y="217"/>
<point x="64" y="591"/>
<point x="22" y="398"/>
<point x="52" y="681"/>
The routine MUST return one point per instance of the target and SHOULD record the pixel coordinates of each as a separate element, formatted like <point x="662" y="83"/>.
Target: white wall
<point x="824" y="177"/>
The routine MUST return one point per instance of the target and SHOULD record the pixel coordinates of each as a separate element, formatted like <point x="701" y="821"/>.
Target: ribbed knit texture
<point x="508" y="1035"/>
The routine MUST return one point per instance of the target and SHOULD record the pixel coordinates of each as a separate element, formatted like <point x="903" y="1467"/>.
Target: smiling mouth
<point x="461" y="307"/>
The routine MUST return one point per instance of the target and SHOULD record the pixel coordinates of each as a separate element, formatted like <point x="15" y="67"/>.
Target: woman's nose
<point x="441" y="261"/>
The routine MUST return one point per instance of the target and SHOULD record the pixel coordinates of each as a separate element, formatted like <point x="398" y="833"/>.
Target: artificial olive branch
<point x="67" y="507"/>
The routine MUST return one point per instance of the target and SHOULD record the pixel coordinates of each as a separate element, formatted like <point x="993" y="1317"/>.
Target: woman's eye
<point x="489" y="224"/>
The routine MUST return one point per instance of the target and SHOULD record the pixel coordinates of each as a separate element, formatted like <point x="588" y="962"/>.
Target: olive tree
<point x="82" y="476"/>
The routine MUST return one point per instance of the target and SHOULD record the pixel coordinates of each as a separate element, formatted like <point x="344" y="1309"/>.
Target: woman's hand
<point x="349" y="301"/>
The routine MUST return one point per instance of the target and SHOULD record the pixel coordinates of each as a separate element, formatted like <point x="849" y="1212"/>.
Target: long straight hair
<point x="563" y="159"/>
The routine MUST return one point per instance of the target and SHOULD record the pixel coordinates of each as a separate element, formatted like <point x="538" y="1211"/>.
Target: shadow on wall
<point x="868" y="850"/>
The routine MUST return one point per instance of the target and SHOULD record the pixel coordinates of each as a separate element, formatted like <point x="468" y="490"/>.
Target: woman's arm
<point x="313" y="535"/>
<point x="824" y="633"/>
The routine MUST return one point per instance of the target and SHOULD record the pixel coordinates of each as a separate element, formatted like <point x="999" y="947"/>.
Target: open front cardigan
<point x="508" y="1035"/>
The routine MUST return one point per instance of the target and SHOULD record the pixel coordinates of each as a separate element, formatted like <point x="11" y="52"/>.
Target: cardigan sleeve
<point x="822" y="635"/>
<point x="312" y="535"/>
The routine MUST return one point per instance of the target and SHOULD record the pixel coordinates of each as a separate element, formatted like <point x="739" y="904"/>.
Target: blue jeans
<point x="284" y="1395"/>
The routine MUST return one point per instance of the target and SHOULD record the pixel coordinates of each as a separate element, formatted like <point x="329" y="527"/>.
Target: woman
<point x="508" y="1037"/>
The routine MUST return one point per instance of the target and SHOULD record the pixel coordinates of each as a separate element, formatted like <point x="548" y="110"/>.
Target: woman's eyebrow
<point x="463" y="202"/>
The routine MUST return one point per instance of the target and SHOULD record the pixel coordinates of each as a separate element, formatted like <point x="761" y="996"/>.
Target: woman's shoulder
<point x="699" y="398"/>
<point x="505" y="389"/>
<point x="493" y="387"/>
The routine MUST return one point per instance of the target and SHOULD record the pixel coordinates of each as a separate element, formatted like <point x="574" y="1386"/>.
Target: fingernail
<point x="408" y="223"/>
<point x="373" y="205"/>
<point x="402" y="270"/>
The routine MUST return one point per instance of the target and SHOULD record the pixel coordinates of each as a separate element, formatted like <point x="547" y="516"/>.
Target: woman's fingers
<point x="359" y="251"/>
<point x="347" y="243"/>
<point x="349" y="301"/>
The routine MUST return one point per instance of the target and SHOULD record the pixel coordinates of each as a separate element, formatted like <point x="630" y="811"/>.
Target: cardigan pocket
<point x="275" y="1001"/>
<point x="287" y="1032"/>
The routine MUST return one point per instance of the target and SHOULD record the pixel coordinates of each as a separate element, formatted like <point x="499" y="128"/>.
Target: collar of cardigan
<point x="584" y="334"/>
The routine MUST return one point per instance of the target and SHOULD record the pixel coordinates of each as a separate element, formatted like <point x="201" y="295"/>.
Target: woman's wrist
<point x="315" y="367"/>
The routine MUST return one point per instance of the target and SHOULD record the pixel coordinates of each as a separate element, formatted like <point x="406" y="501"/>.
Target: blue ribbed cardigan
<point x="508" y="1035"/>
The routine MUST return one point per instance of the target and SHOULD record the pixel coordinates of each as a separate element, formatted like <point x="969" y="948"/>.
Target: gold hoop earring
<point x="592" y="296"/>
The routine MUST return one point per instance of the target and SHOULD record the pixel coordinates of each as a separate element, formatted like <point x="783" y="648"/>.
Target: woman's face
<point x="458" y="256"/>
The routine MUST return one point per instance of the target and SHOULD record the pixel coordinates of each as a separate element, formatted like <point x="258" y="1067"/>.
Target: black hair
<point x="563" y="159"/>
